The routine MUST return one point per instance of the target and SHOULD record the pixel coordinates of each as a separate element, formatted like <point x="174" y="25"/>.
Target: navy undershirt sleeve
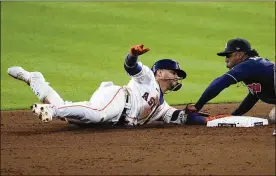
<point x="131" y="65"/>
<point x="248" y="102"/>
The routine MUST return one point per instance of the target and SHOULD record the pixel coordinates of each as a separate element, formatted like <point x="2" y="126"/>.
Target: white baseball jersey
<point x="145" y="103"/>
<point x="146" y="98"/>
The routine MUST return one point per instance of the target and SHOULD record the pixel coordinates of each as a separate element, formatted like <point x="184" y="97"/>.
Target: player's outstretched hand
<point x="137" y="50"/>
<point x="190" y="108"/>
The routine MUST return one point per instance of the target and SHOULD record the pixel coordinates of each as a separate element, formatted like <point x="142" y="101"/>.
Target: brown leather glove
<point x="190" y="108"/>
<point x="137" y="50"/>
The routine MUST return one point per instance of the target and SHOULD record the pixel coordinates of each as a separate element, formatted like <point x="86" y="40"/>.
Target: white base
<point x="238" y="121"/>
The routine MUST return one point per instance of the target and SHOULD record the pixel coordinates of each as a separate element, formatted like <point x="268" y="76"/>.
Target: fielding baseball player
<point x="140" y="102"/>
<point x="245" y="66"/>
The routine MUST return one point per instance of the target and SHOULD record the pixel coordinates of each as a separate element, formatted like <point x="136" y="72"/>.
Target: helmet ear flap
<point x="154" y="69"/>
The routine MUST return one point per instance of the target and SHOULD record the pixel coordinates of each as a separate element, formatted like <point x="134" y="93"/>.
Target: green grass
<point x="77" y="45"/>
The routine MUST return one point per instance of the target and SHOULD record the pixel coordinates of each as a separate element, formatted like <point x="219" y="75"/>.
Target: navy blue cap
<point x="234" y="45"/>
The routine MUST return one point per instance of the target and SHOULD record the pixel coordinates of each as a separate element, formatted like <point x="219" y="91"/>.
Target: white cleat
<point x="19" y="73"/>
<point x="36" y="109"/>
<point x="43" y="111"/>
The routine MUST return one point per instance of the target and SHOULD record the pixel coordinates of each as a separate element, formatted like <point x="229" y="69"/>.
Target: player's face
<point x="233" y="59"/>
<point x="170" y="77"/>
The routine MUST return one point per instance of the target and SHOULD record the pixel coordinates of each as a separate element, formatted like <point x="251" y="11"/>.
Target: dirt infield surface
<point x="32" y="148"/>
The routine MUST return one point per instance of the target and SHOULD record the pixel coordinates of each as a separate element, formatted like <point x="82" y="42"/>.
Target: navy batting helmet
<point x="169" y="64"/>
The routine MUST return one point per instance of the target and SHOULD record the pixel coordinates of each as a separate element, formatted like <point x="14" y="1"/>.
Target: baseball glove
<point x="189" y="110"/>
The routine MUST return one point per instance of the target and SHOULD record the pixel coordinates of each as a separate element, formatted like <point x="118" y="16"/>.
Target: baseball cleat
<point x="43" y="111"/>
<point x="19" y="73"/>
<point x="36" y="109"/>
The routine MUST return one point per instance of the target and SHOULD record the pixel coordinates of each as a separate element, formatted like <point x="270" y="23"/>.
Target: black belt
<point x="121" y="121"/>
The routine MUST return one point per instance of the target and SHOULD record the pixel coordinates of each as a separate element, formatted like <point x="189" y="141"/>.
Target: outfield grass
<point x="77" y="45"/>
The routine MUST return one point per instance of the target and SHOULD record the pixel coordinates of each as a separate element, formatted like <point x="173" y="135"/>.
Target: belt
<point x="121" y="121"/>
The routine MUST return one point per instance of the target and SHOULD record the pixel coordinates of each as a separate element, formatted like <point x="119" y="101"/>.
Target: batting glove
<point x="138" y="50"/>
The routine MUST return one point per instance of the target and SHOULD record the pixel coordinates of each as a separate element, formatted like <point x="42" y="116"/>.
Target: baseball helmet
<point x="169" y="64"/>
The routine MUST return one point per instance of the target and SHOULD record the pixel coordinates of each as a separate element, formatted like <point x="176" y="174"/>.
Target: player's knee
<point x="272" y="115"/>
<point x="36" y="77"/>
<point x="39" y="86"/>
<point x="52" y="97"/>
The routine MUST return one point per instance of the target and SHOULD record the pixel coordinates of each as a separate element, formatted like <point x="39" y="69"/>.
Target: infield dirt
<point x="32" y="148"/>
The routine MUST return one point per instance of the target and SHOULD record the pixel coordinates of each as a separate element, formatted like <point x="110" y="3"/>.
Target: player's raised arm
<point x="131" y="65"/>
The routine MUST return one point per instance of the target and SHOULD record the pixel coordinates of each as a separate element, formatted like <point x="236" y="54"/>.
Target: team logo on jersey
<point x="151" y="101"/>
<point x="254" y="88"/>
